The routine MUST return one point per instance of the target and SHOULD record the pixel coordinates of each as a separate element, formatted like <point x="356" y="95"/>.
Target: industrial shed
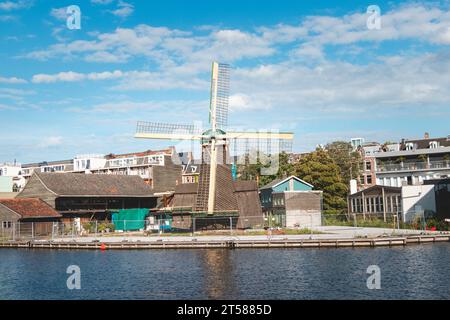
<point x="89" y="196"/>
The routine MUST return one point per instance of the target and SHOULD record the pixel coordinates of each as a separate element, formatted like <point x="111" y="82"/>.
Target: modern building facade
<point x="410" y="162"/>
<point x="147" y="165"/>
<point x="11" y="179"/>
<point x="415" y="162"/>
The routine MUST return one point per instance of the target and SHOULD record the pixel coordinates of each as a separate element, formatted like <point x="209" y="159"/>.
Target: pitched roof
<point x="186" y="188"/>
<point x="30" y="208"/>
<point x="241" y="186"/>
<point x="277" y="182"/>
<point x="76" y="184"/>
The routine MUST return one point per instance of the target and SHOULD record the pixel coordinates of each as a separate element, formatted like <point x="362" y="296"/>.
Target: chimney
<point x="426" y="135"/>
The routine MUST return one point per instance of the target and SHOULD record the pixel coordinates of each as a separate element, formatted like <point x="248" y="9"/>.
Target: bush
<point x="89" y="227"/>
<point x="440" y="225"/>
<point x="101" y="227"/>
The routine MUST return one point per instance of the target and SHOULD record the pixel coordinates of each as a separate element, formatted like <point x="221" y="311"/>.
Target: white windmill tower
<point x="215" y="141"/>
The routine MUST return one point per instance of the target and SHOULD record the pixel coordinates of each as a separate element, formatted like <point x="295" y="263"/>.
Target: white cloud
<point x="7" y="18"/>
<point x="129" y="80"/>
<point x="102" y="2"/>
<point x="126" y="106"/>
<point x="304" y="80"/>
<point x="72" y="76"/>
<point x="12" y="80"/>
<point x="51" y="141"/>
<point x="59" y="13"/>
<point x="6" y="107"/>
<point x="15" y="5"/>
<point x="124" y="9"/>
<point x="339" y="89"/>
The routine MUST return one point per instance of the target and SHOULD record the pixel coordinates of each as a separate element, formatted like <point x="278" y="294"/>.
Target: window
<point x="7" y="224"/>
<point x="368" y="165"/>
<point x="409" y="180"/>
<point x="434" y="144"/>
<point x="361" y="179"/>
<point x="369" y="179"/>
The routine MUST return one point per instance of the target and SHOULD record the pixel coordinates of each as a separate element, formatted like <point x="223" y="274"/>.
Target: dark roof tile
<point x="76" y="184"/>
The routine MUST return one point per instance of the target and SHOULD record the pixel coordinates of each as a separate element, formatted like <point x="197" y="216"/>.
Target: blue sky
<point x="311" y="67"/>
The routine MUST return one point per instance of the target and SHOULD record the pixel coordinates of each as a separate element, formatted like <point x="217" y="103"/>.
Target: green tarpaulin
<point x="130" y="219"/>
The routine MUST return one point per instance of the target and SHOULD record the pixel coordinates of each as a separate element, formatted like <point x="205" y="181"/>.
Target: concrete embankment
<point x="226" y="242"/>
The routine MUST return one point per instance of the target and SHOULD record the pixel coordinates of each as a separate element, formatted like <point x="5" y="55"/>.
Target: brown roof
<point x="30" y="208"/>
<point x="186" y="188"/>
<point x="76" y="184"/>
<point x="240" y="186"/>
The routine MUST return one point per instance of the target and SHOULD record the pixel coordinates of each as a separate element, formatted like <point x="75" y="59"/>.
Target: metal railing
<point x="277" y="223"/>
<point x="412" y="166"/>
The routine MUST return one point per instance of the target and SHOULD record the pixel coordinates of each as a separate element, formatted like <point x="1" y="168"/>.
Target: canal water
<point x="412" y="272"/>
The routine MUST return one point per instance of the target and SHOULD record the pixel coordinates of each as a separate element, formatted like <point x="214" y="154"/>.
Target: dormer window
<point x="434" y="144"/>
<point x="409" y="146"/>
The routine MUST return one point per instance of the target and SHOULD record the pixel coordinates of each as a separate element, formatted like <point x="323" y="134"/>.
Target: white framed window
<point x="434" y="144"/>
<point x="6" y="224"/>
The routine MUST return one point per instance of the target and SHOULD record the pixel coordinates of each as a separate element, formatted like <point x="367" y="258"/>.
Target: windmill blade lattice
<point x="223" y="93"/>
<point x="245" y="146"/>
<point x="168" y="129"/>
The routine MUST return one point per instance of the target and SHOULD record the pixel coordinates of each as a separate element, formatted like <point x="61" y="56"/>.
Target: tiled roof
<point x="241" y="186"/>
<point x="186" y="188"/>
<point x="30" y="208"/>
<point x="75" y="184"/>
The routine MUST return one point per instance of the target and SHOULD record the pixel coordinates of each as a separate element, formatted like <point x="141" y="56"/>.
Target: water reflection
<point x="218" y="270"/>
<point x="411" y="272"/>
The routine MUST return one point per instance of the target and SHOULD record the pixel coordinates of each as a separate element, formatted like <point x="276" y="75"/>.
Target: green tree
<point x="319" y="169"/>
<point x="254" y="171"/>
<point x="347" y="160"/>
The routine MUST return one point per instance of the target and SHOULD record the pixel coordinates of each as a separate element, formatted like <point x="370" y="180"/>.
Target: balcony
<point x="414" y="166"/>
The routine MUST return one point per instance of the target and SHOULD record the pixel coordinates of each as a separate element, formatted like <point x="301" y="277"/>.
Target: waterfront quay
<point x="335" y="237"/>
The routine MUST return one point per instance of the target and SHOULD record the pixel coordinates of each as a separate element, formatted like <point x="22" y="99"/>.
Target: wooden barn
<point x="89" y="196"/>
<point x="17" y="214"/>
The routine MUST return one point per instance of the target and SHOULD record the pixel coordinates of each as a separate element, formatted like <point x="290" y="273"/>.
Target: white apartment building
<point x="14" y="172"/>
<point x="415" y="162"/>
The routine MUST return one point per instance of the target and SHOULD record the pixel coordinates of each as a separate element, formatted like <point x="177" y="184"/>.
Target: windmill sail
<point x="167" y="131"/>
<point x="220" y="91"/>
<point x="215" y="187"/>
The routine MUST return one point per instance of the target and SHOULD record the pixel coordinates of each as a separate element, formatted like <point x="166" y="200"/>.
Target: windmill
<point x="216" y="140"/>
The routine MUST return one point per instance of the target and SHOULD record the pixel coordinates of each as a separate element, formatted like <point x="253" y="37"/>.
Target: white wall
<point x="304" y="218"/>
<point x="10" y="171"/>
<point x="415" y="197"/>
<point x="6" y="184"/>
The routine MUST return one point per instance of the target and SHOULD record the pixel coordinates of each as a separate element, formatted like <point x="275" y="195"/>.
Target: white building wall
<point x="303" y="218"/>
<point x="417" y="198"/>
